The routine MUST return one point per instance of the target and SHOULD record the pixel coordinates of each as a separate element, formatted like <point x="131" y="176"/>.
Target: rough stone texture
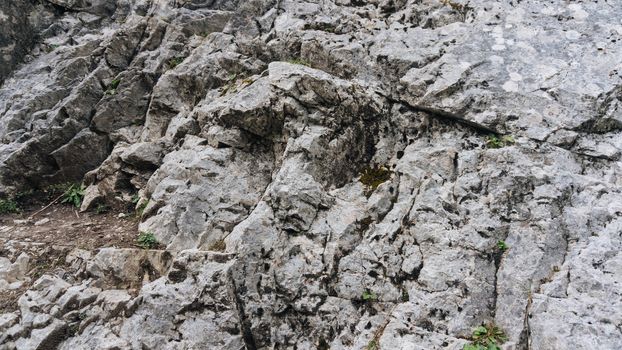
<point x="245" y="127"/>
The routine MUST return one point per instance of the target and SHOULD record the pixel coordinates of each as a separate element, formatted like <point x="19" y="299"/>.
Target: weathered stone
<point x="338" y="174"/>
<point x="44" y="338"/>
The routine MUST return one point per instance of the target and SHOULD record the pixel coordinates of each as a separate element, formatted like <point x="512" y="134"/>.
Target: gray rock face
<point x="326" y="175"/>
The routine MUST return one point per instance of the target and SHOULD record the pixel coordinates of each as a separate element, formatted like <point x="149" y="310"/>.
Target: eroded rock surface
<point x="244" y="128"/>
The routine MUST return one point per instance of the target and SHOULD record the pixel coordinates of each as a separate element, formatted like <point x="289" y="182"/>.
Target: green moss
<point x="372" y="177"/>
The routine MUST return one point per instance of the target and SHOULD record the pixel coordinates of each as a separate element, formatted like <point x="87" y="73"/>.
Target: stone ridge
<point x="488" y="135"/>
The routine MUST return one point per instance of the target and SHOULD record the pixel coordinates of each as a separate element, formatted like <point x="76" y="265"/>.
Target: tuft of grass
<point x="299" y="61"/>
<point x="486" y="337"/>
<point x="494" y="141"/>
<point x="174" y="62"/>
<point x="502" y="246"/>
<point x="8" y="206"/>
<point x="372" y="177"/>
<point x="369" y="296"/>
<point x="74" y="194"/>
<point x="147" y="240"/>
<point x="372" y="345"/>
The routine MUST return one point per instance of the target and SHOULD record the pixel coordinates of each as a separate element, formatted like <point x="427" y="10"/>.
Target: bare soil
<point x="63" y="225"/>
<point x="49" y="235"/>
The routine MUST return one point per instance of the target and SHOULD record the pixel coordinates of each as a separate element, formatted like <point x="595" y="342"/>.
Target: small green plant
<point x="405" y="296"/>
<point x="112" y="88"/>
<point x="488" y="337"/>
<point x="299" y="61"/>
<point x="369" y="296"/>
<point x="175" y="61"/>
<point x="372" y="177"/>
<point x="51" y="47"/>
<point x="372" y="345"/>
<point x="135" y="198"/>
<point x="24" y="194"/>
<point x="141" y="208"/>
<point x="74" y="195"/>
<point x="8" y="206"/>
<point x="101" y="209"/>
<point x="494" y="141"/>
<point x="502" y="246"/>
<point x="147" y="240"/>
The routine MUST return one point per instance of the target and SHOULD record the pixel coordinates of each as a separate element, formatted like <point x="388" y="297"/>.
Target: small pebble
<point x="42" y="222"/>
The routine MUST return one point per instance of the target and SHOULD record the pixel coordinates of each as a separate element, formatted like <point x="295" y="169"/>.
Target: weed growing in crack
<point x="369" y="296"/>
<point x="405" y="297"/>
<point x="372" y="345"/>
<point x="174" y="62"/>
<point x="488" y="337"/>
<point x="112" y="88"/>
<point x="147" y="240"/>
<point x="502" y="246"/>
<point x="494" y="141"/>
<point x="74" y="194"/>
<point x="141" y="208"/>
<point x="8" y="206"/>
<point x="372" y="177"/>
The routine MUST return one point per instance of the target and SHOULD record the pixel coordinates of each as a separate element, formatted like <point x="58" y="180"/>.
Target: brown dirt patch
<point x="50" y="235"/>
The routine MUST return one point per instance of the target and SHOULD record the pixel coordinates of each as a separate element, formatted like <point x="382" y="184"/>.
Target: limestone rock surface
<point x="335" y="174"/>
